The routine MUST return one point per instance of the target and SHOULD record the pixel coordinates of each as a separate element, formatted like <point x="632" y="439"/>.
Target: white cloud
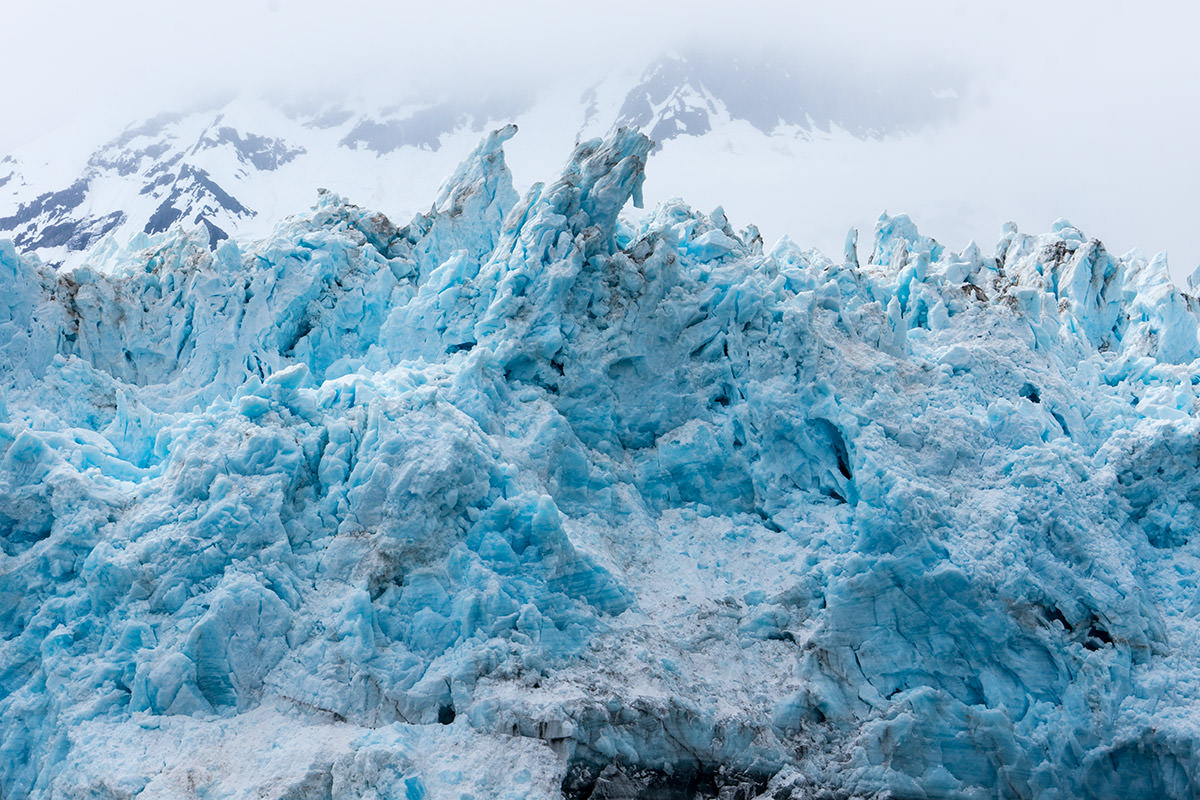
<point x="1081" y="109"/>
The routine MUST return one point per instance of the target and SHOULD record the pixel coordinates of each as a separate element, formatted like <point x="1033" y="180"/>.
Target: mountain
<point x="236" y="167"/>
<point x="690" y="95"/>
<point x="522" y="499"/>
<point x="213" y="169"/>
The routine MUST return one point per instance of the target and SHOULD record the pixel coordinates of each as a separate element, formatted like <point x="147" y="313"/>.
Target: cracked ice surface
<point x="524" y="499"/>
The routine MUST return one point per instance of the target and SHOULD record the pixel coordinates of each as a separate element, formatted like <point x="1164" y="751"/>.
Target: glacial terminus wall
<point x="525" y="499"/>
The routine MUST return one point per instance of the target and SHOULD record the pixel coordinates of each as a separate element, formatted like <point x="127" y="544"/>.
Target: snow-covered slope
<point x="235" y="168"/>
<point x="216" y="169"/>
<point x="688" y="95"/>
<point x="527" y="500"/>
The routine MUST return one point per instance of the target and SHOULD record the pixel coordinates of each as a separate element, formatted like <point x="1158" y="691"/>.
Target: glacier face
<point x="525" y="499"/>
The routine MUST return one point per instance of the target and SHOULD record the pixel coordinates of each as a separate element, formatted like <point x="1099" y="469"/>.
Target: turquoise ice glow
<point x="598" y="497"/>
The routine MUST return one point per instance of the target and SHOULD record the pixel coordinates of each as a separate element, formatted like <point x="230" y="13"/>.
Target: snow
<point x="303" y="759"/>
<point x="529" y="498"/>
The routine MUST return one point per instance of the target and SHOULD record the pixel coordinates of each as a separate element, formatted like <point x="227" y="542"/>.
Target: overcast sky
<point x="1081" y="109"/>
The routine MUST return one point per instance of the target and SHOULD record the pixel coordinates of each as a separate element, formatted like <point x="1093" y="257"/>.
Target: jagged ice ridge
<point x="527" y="500"/>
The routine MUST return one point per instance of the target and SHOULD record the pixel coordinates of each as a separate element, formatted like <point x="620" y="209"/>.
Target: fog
<point x="1085" y="110"/>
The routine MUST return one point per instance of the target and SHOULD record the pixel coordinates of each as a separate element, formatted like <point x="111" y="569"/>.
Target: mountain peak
<point x="228" y="167"/>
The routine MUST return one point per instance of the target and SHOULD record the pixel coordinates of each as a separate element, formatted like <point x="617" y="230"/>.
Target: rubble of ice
<point x="528" y="500"/>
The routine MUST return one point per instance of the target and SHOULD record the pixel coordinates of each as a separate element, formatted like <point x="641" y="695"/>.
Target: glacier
<point x="529" y="498"/>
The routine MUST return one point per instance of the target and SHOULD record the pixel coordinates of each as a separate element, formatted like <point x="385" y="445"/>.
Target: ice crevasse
<point x="526" y="499"/>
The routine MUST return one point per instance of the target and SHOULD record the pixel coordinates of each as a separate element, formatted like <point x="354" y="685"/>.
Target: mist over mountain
<point x="235" y="167"/>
